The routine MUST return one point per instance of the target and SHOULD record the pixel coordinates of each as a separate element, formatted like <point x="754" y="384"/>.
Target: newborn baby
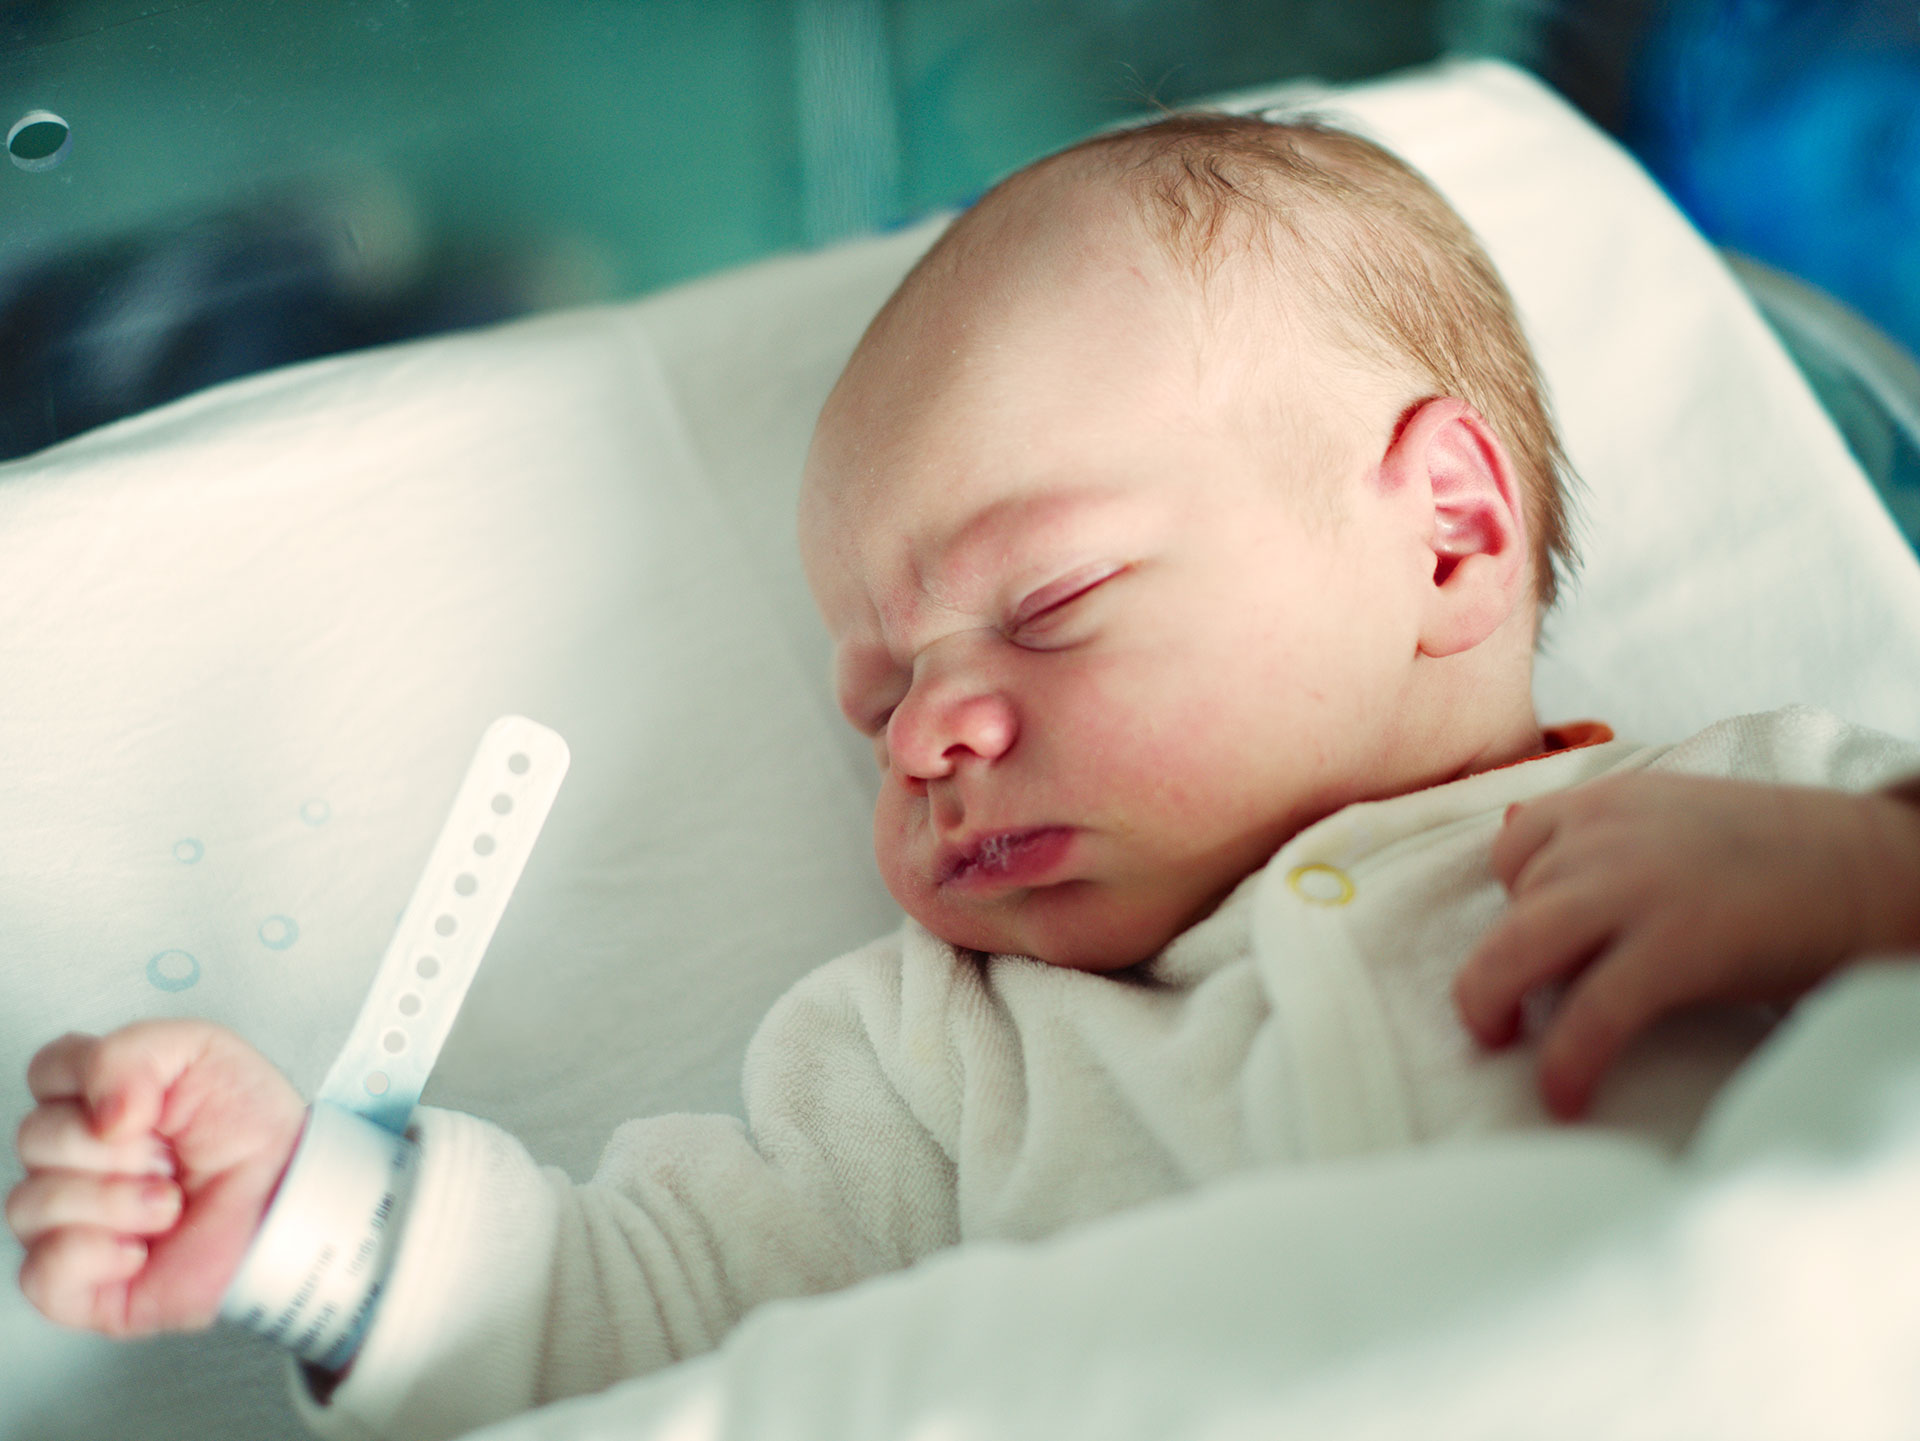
<point x="1183" y="525"/>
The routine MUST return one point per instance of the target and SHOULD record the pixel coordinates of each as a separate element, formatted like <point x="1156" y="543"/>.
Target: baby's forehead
<point x="1070" y="253"/>
<point x="1049" y="305"/>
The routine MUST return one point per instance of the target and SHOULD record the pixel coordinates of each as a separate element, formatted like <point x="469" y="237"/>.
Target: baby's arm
<point x="150" y="1157"/>
<point x="1652" y="891"/>
<point x="153" y="1153"/>
<point x="512" y="1286"/>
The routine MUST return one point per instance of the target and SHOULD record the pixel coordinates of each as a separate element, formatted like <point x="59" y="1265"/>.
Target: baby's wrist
<point x="312" y="1277"/>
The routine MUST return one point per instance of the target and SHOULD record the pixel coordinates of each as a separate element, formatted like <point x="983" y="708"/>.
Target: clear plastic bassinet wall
<point x="206" y="187"/>
<point x="203" y="188"/>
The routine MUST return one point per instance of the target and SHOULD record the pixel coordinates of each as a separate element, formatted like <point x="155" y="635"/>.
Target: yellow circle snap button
<point x="1323" y="885"/>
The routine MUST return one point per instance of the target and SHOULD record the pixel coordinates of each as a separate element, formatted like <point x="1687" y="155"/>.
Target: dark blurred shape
<point x="106" y="331"/>
<point x="1587" y="48"/>
<point x="27" y="22"/>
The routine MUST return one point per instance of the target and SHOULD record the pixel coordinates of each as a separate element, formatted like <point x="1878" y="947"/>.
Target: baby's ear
<point x="1448" y="457"/>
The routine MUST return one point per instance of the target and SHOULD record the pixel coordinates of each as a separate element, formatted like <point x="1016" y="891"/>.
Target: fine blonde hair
<point x="1386" y="266"/>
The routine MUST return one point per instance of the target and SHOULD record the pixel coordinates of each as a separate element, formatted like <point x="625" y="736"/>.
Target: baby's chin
<point x="1073" y="926"/>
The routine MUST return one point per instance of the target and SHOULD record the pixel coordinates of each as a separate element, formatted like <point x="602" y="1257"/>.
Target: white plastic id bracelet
<point x="315" y="1269"/>
<point x="443" y="933"/>
<point x="313" y="1275"/>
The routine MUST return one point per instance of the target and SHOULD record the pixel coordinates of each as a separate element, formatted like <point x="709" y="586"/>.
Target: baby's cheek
<point x="889" y="841"/>
<point x="903" y="857"/>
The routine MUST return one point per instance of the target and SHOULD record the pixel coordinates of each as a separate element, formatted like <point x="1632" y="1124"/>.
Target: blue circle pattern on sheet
<point x="176" y="970"/>
<point x="173" y="971"/>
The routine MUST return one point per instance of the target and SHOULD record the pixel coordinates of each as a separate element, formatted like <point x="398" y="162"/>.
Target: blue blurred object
<point x="1790" y="131"/>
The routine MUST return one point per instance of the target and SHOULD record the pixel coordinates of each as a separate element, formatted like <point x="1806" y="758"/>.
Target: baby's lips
<point x="1001" y="858"/>
<point x="984" y="850"/>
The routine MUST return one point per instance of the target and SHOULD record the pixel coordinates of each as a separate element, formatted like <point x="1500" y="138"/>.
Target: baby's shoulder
<point x="905" y="967"/>
<point x="912" y="979"/>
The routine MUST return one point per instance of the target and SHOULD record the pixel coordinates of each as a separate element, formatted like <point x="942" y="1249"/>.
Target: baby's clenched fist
<point x="150" y="1157"/>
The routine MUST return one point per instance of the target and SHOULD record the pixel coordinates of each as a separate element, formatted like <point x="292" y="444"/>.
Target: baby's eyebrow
<point x="948" y="567"/>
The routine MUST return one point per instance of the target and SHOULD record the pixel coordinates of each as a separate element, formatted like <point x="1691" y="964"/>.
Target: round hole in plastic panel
<point x="39" y="140"/>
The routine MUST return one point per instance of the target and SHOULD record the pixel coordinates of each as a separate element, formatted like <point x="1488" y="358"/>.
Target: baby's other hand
<point x="1651" y="891"/>
<point x="150" y="1160"/>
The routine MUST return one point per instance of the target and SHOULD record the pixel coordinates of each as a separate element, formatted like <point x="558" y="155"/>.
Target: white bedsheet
<point x="247" y="643"/>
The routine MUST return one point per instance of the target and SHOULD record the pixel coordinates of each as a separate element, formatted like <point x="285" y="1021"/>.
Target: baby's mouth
<point x="1004" y="858"/>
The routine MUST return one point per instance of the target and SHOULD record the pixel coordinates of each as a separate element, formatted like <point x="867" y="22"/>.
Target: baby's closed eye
<point x="1041" y="619"/>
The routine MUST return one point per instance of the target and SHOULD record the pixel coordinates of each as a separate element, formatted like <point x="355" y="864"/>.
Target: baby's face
<point x="1115" y="629"/>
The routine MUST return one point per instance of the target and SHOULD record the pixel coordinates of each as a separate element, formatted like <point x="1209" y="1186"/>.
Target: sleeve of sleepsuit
<point x="1797" y="745"/>
<point x="513" y="1286"/>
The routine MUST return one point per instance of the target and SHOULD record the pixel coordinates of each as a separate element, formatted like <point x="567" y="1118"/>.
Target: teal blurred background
<point x="247" y="182"/>
<point x="627" y="143"/>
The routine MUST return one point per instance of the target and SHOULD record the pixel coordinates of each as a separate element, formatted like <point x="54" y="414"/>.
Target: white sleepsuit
<point x="910" y="1096"/>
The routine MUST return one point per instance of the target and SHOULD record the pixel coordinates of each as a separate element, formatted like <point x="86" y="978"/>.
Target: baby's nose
<point x="944" y="721"/>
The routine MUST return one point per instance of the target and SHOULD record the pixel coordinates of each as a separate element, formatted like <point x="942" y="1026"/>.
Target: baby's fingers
<point x="1620" y="995"/>
<point x="113" y="1082"/>
<point x="79" y="1276"/>
<point x="1524" y="832"/>
<point x="58" y="1070"/>
<point x="129" y="1205"/>
<point x="1544" y="937"/>
<point x="59" y="1136"/>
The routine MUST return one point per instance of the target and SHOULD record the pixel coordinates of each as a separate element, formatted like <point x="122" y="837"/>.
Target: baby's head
<point x="1197" y="483"/>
